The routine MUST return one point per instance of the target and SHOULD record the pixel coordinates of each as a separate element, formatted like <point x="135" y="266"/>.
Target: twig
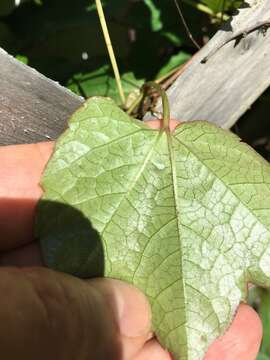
<point x="186" y="25"/>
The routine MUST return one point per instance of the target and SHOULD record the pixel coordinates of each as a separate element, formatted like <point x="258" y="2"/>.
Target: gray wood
<point x="32" y="107"/>
<point x="221" y="90"/>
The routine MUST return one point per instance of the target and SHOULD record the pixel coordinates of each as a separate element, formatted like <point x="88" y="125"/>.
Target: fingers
<point x="53" y="315"/>
<point x="26" y="255"/>
<point x="153" y="350"/>
<point x="242" y="340"/>
<point x="49" y="315"/>
<point x="157" y="124"/>
<point x="42" y="310"/>
<point x="134" y="315"/>
<point x="21" y="169"/>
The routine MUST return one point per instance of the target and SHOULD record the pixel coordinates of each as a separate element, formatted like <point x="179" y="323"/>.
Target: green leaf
<point x="93" y="7"/>
<point x="259" y="299"/>
<point x="174" y="62"/>
<point x="264" y="312"/>
<point x="175" y="39"/>
<point x="226" y="5"/>
<point x="155" y="15"/>
<point x="101" y="82"/>
<point x="183" y="216"/>
<point x="262" y="356"/>
<point x="22" y="58"/>
<point x="38" y="2"/>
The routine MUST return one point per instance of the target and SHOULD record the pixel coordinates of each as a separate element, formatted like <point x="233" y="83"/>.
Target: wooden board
<point x="32" y="107"/>
<point x="221" y="90"/>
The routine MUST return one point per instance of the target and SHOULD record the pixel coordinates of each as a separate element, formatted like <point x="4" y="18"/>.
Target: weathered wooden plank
<point x="221" y="90"/>
<point x="32" y="107"/>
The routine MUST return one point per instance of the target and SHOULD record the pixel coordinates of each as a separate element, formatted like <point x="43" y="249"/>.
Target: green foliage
<point x="156" y="22"/>
<point x="226" y="5"/>
<point x="174" y="62"/>
<point x="264" y="312"/>
<point x="22" y="59"/>
<point x="260" y="299"/>
<point x="183" y="216"/>
<point x="102" y="83"/>
<point x="262" y="356"/>
<point x="148" y="38"/>
<point x="63" y="40"/>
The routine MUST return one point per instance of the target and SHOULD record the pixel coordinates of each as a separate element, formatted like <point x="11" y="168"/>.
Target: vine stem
<point x="110" y="50"/>
<point x="165" y="102"/>
<point x="135" y="103"/>
<point x="186" y="25"/>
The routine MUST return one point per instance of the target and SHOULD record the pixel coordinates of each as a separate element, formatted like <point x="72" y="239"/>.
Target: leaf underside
<point x="183" y="216"/>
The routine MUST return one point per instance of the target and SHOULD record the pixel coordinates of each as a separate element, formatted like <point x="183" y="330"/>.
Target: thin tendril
<point x="186" y="25"/>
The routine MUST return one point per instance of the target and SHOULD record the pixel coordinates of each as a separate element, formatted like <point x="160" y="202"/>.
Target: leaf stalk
<point x="165" y="102"/>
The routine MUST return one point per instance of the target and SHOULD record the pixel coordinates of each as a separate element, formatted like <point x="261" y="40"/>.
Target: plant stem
<point x="165" y="102"/>
<point x="186" y="25"/>
<point x="135" y="103"/>
<point x="110" y="50"/>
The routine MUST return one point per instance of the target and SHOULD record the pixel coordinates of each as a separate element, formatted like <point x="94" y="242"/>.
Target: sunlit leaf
<point x="183" y="216"/>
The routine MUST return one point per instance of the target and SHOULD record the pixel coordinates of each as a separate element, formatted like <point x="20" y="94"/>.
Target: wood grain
<point x="32" y="107"/>
<point x="221" y="90"/>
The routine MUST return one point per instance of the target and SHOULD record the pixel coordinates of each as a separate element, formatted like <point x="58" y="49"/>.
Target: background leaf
<point x="102" y="83"/>
<point x="259" y="298"/>
<point x="262" y="356"/>
<point x="155" y="15"/>
<point x="264" y="312"/>
<point x="62" y="39"/>
<point x="174" y="62"/>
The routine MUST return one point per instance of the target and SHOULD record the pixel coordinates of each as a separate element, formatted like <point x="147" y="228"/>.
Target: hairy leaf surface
<point x="183" y="216"/>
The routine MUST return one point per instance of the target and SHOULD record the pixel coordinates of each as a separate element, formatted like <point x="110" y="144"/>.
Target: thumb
<point x="50" y="315"/>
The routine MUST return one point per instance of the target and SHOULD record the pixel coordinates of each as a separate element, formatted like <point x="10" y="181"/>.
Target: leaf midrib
<point x="177" y="215"/>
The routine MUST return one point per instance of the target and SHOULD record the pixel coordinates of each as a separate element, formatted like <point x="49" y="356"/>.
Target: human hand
<point x="46" y="315"/>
